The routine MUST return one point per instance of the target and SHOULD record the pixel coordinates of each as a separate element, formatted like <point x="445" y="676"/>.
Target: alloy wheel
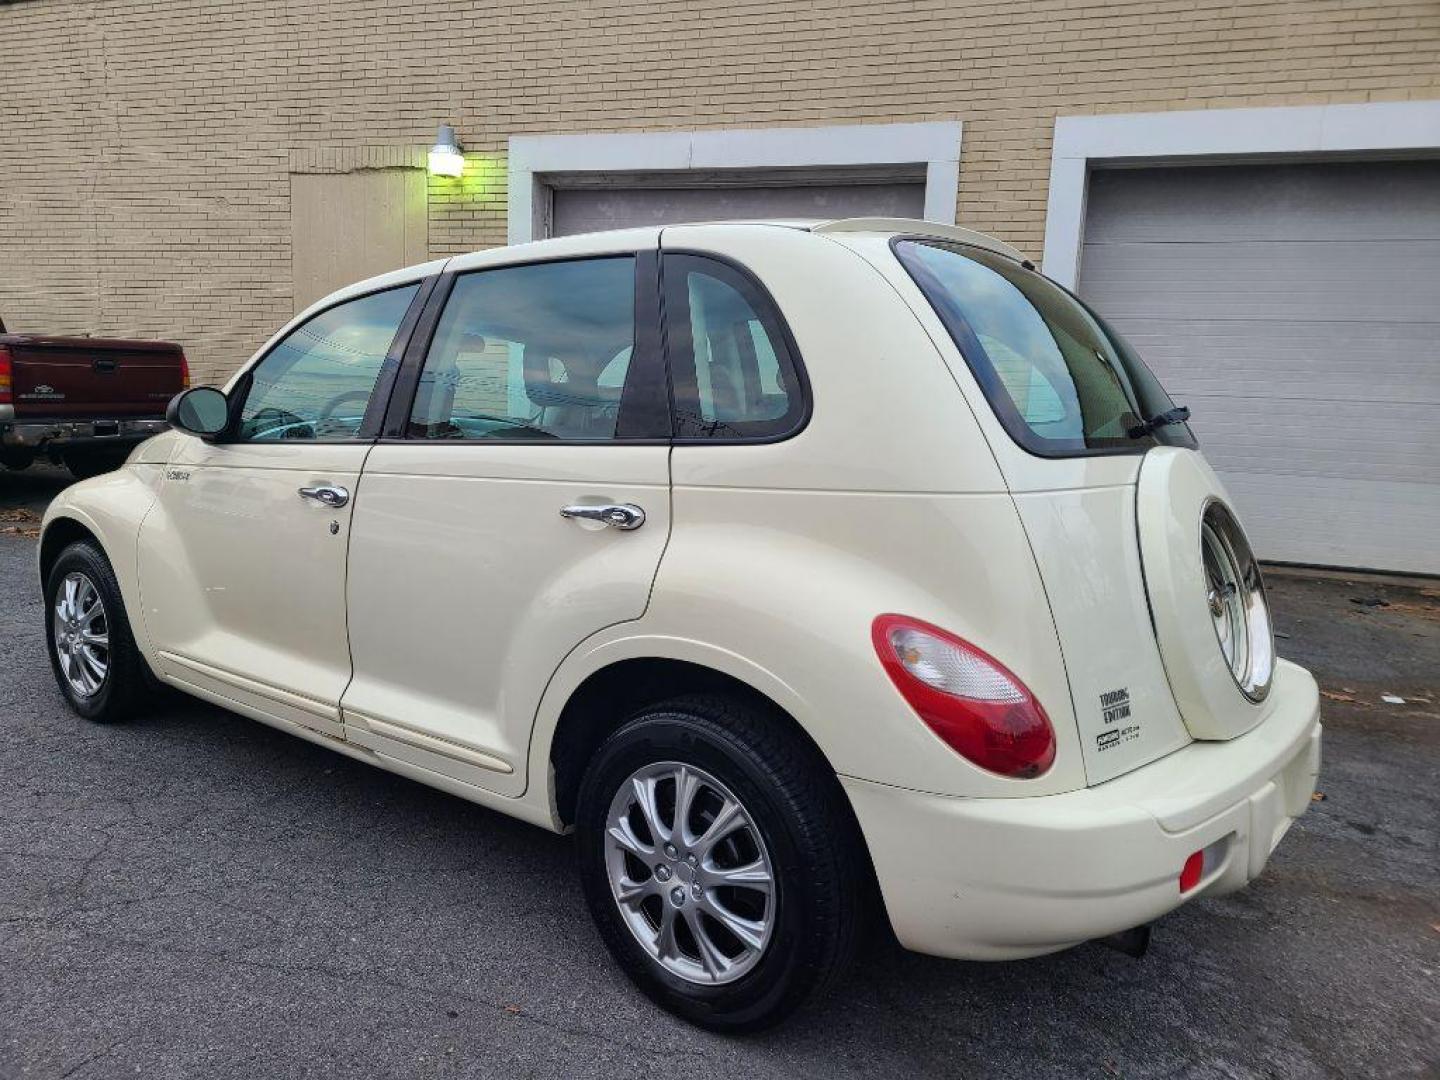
<point x="81" y="631"/>
<point x="690" y="873"/>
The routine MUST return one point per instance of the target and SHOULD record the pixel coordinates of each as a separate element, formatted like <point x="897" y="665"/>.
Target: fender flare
<point x="628" y="641"/>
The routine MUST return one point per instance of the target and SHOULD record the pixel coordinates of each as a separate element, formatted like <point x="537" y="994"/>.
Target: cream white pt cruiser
<point x="791" y="565"/>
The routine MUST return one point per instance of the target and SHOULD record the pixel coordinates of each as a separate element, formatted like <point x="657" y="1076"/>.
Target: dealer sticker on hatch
<point x="1114" y="709"/>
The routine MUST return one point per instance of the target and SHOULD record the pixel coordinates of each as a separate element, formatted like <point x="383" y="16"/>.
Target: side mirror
<point x="203" y="411"/>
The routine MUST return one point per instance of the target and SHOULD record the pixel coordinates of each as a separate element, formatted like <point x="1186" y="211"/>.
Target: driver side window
<point x="316" y="383"/>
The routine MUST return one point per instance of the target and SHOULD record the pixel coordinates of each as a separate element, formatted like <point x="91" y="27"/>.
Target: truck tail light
<point x="967" y="697"/>
<point x="7" y="377"/>
<point x="184" y="372"/>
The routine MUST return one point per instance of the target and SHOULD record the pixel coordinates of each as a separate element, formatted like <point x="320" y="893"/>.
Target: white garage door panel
<point x="1267" y="202"/>
<point x="1369" y="361"/>
<point x="1320" y="280"/>
<point x="1330" y="520"/>
<point x="594" y="209"/>
<point x="1296" y="309"/>
<point x="1281" y="439"/>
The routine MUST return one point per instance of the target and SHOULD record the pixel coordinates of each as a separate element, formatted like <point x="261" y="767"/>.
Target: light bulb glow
<point x="445" y="158"/>
<point x="446" y="161"/>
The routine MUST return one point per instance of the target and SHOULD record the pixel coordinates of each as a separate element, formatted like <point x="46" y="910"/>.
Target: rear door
<point x="242" y="558"/>
<point x="519" y="503"/>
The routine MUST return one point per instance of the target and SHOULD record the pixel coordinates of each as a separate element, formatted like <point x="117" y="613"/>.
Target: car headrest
<point x="570" y="380"/>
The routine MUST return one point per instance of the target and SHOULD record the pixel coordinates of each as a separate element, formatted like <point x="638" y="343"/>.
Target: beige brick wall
<point x="145" y="147"/>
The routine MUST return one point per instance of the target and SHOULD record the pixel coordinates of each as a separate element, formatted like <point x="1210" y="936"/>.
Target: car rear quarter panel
<point x="889" y="500"/>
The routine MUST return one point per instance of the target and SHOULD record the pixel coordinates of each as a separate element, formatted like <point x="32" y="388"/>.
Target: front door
<point x="521" y="506"/>
<point x="242" y="559"/>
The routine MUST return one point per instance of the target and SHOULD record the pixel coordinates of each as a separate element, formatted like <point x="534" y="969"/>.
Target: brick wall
<point x="145" y="147"/>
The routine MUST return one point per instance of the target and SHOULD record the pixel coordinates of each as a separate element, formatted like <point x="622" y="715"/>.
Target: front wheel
<point x="720" y="862"/>
<point x="97" y="666"/>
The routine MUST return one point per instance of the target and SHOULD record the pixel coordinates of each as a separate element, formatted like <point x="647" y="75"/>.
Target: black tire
<point x="820" y="867"/>
<point x="84" y="464"/>
<point x="127" y="680"/>
<point x="15" y="459"/>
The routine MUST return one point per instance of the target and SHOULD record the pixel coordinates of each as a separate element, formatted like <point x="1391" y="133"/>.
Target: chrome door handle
<point x="329" y="495"/>
<point x="624" y="516"/>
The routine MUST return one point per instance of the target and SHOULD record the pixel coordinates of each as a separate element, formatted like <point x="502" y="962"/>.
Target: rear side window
<point x="540" y="351"/>
<point x="1060" y="379"/>
<point x="734" y="372"/>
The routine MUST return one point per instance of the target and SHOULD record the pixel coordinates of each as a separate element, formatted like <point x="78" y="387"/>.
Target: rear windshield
<point x="1060" y="379"/>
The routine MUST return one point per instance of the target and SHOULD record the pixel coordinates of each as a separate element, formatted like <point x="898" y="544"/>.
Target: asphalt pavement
<point x="197" y="895"/>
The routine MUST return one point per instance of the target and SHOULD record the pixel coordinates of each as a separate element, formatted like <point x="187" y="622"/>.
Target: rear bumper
<point x="995" y="879"/>
<point x="38" y="433"/>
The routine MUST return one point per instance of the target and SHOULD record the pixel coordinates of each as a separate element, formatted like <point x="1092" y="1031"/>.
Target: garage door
<point x="577" y="210"/>
<point x="1296" y="310"/>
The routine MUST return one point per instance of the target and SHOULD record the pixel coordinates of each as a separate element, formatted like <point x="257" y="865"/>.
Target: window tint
<point x="316" y="383"/>
<point x="1059" y="378"/>
<point x="733" y="373"/>
<point x="530" y="352"/>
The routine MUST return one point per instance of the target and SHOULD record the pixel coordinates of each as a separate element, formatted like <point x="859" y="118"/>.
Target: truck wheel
<point x="84" y="464"/>
<point x="99" y="670"/>
<point x="16" y="459"/>
<point x="720" y="862"/>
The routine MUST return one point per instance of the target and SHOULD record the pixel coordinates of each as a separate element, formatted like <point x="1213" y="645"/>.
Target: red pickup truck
<point x="85" y="402"/>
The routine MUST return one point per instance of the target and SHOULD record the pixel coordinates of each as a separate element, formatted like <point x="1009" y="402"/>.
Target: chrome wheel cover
<point x="81" y="632"/>
<point x="1235" y="597"/>
<point x="690" y="873"/>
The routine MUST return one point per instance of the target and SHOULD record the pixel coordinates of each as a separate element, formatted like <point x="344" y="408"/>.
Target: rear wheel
<point x="720" y="862"/>
<point x="16" y="458"/>
<point x="84" y="464"/>
<point x="98" y="668"/>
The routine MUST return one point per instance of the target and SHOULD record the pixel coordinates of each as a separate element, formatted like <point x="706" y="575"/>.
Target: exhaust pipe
<point x="1132" y="942"/>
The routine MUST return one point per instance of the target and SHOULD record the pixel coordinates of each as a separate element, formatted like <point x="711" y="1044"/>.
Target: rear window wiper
<point x="1177" y="415"/>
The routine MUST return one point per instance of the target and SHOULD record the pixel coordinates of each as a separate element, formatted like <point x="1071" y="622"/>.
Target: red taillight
<point x="1192" y="871"/>
<point x="184" y="373"/>
<point x="7" y="385"/>
<point x="966" y="696"/>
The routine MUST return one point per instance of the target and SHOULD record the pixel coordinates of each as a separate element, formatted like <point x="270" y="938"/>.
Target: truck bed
<point x="63" y="378"/>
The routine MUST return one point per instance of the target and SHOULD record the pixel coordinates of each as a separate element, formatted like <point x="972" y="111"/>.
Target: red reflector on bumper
<point x="1192" y="871"/>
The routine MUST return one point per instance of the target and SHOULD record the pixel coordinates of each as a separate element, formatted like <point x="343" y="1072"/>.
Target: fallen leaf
<point x="1318" y="796"/>
<point x="512" y="1009"/>
<point x="1341" y="697"/>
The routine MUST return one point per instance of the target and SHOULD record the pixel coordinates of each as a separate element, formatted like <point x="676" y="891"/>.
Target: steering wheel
<point x="327" y="411"/>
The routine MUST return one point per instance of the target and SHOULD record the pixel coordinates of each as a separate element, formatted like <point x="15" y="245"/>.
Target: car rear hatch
<point x="1111" y="491"/>
<point x="60" y="378"/>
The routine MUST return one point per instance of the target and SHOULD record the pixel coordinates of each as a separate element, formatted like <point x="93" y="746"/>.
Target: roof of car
<point x="648" y="235"/>
<point x="883" y="226"/>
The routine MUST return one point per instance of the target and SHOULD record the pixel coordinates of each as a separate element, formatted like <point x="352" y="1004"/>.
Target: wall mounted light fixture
<point x="445" y="156"/>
